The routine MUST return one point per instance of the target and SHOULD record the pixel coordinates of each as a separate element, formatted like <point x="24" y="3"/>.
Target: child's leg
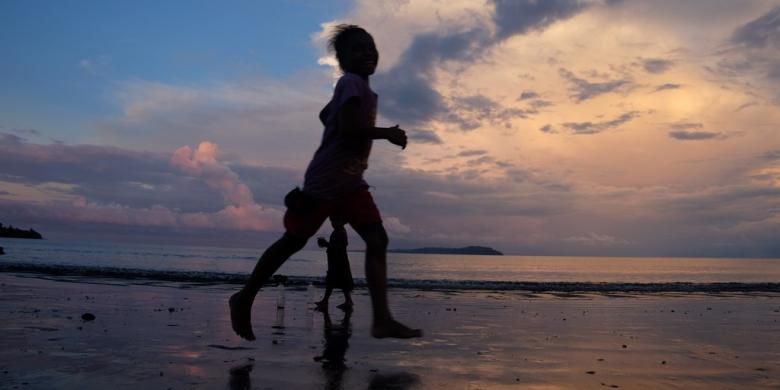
<point x="376" y="275"/>
<point x="323" y="304"/>
<point x="269" y="262"/>
<point x="347" y="305"/>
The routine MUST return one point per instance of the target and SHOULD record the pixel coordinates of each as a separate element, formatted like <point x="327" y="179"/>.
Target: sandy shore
<point x="175" y="336"/>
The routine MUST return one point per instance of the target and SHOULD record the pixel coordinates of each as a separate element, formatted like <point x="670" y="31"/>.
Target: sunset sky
<point x="557" y="127"/>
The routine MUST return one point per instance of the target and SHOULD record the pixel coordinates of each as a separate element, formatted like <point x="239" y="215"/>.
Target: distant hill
<point x="12" y="232"/>
<point x="467" y="250"/>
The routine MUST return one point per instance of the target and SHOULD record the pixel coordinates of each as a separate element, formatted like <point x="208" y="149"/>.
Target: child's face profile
<point x="360" y="56"/>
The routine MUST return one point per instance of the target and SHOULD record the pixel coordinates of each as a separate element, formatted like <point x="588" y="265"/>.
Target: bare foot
<point x="346" y="306"/>
<point x="241" y="316"/>
<point x="394" y="329"/>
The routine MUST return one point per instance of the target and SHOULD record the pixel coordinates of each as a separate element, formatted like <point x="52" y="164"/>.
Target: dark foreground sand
<point x="174" y="336"/>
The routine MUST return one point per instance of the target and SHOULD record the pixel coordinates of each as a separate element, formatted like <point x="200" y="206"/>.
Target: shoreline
<point x="174" y="335"/>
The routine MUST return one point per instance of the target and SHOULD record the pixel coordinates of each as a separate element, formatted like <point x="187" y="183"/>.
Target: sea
<point x="215" y="265"/>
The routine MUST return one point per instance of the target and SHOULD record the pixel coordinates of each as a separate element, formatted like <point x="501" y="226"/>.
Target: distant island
<point x="12" y="232"/>
<point x="467" y="250"/>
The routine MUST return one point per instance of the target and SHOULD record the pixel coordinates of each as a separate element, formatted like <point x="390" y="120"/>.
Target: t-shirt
<point x="338" y="164"/>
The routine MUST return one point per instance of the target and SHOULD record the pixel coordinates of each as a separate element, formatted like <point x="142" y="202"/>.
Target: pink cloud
<point x="242" y="212"/>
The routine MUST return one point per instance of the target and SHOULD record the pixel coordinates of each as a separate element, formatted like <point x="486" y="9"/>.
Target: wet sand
<point x="178" y="336"/>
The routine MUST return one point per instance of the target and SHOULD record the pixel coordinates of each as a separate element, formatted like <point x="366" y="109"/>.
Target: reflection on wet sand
<point x="239" y="377"/>
<point x="336" y="340"/>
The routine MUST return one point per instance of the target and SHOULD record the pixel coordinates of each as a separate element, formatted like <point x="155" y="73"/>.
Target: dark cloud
<point x="771" y="155"/>
<point x="407" y="89"/>
<point x="480" y="161"/>
<point x="521" y="16"/>
<point x="686" y="125"/>
<point x="667" y="86"/>
<point x="541" y="103"/>
<point x="753" y="54"/>
<point x="656" y="65"/>
<point x="528" y="95"/>
<point x="761" y="32"/>
<point x="685" y="135"/>
<point x="407" y="94"/>
<point x="582" y="89"/>
<point x="598" y="127"/>
<point x="424" y="137"/>
<point x="469" y="112"/>
<point x="471" y="153"/>
<point x="547" y="129"/>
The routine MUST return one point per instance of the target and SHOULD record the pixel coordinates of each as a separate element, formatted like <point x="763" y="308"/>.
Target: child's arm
<point x="348" y="125"/>
<point x="323" y="243"/>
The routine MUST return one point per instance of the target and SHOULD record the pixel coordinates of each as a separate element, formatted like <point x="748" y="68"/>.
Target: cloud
<point x="94" y="65"/>
<point x="597" y="240"/>
<point x="598" y="127"/>
<point x="265" y="121"/>
<point x="689" y="131"/>
<point x="528" y="95"/>
<point x="514" y="17"/>
<point x="424" y="136"/>
<point x="469" y="112"/>
<point x="684" y="135"/>
<point x="472" y="152"/>
<point x="667" y="86"/>
<point x="408" y="92"/>
<point x="656" y="65"/>
<point x="761" y="32"/>
<point x="771" y="154"/>
<point x="101" y="184"/>
<point x="753" y="54"/>
<point x="582" y="89"/>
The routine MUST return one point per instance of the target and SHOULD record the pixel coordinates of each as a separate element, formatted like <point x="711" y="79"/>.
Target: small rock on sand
<point x="88" y="317"/>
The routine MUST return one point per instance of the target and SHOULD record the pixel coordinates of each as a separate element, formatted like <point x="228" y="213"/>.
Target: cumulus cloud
<point x="241" y="212"/>
<point x="408" y="91"/>
<point x="101" y="184"/>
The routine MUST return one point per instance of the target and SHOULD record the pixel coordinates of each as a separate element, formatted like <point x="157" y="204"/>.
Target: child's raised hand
<point x="397" y="136"/>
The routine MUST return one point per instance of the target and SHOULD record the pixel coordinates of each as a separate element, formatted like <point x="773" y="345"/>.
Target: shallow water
<point x="410" y="270"/>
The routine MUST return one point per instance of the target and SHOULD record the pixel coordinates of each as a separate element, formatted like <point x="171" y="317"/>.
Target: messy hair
<point x="339" y="37"/>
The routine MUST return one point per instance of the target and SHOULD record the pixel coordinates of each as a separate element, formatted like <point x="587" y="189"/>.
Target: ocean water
<point x="535" y="273"/>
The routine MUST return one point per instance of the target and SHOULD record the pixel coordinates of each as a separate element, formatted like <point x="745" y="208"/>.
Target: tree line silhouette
<point x="12" y="232"/>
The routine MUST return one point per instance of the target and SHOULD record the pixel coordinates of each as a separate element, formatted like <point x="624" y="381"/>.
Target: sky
<point x="557" y="127"/>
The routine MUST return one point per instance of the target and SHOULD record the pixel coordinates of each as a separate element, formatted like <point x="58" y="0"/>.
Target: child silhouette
<point x="333" y="185"/>
<point x="339" y="275"/>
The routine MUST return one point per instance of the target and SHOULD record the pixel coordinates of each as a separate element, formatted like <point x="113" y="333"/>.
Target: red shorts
<point x="356" y="208"/>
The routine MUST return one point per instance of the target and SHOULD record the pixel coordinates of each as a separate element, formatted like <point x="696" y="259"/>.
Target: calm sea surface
<point x="308" y="263"/>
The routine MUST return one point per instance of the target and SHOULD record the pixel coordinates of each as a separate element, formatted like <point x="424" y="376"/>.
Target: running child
<point x="333" y="185"/>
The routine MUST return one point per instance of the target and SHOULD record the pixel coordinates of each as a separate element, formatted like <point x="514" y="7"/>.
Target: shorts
<point x="356" y="208"/>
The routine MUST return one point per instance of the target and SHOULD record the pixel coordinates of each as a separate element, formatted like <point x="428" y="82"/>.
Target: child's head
<point x="354" y="48"/>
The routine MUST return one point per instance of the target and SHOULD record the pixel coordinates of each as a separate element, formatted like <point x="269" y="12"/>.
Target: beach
<point x="173" y="335"/>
